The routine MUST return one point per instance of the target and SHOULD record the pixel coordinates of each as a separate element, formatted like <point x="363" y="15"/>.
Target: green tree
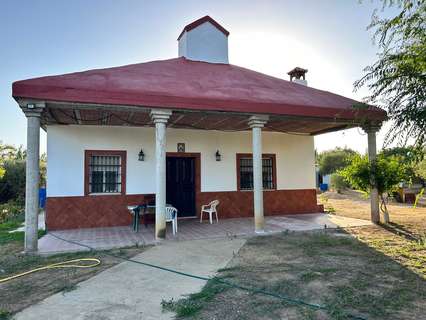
<point x="12" y="173"/>
<point x="387" y="172"/>
<point x="332" y="160"/>
<point x="397" y="80"/>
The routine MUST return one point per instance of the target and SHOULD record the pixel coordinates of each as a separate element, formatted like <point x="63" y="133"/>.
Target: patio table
<point x="140" y="210"/>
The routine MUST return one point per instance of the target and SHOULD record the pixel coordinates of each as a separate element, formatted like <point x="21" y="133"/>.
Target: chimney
<point x="204" y="40"/>
<point x="297" y="75"/>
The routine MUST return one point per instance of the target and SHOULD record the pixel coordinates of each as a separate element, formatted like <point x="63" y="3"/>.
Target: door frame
<point x="197" y="178"/>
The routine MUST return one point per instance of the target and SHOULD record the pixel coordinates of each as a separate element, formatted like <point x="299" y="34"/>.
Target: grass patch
<point x="342" y="273"/>
<point x="190" y="305"/>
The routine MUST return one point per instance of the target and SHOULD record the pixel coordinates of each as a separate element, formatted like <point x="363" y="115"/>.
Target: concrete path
<point x="130" y="291"/>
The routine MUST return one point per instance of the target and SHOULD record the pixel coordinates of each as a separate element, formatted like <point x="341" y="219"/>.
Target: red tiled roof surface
<point x="200" y="21"/>
<point x="192" y="85"/>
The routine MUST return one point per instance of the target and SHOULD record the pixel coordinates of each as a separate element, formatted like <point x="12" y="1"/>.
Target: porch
<point x="188" y="229"/>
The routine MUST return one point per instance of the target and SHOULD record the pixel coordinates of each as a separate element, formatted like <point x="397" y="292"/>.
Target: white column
<point x="32" y="112"/>
<point x="256" y="123"/>
<point x="160" y="118"/>
<point x="372" y="155"/>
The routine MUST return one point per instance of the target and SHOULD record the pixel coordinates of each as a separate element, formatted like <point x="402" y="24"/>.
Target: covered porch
<point x="201" y="97"/>
<point x="189" y="229"/>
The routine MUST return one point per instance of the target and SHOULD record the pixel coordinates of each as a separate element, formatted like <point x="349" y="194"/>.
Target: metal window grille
<point x="246" y="173"/>
<point x="105" y="174"/>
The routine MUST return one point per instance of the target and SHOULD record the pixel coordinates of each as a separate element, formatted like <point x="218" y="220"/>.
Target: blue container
<point x="42" y="198"/>
<point x="324" y="186"/>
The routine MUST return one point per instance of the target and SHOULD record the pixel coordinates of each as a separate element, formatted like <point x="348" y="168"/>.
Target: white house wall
<point x="66" y="145"/>
<point x="204" y="43"/>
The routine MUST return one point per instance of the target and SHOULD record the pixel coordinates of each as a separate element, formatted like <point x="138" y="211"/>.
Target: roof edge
<point x="199" y="22"/>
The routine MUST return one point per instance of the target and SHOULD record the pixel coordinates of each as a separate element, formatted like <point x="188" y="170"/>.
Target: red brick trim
<point x="89" y="153"/>
<point x="264" y="155"/>
<point x="111" y="210"/>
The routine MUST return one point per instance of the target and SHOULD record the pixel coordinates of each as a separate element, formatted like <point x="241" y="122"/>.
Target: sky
<point x="48" y="37"/>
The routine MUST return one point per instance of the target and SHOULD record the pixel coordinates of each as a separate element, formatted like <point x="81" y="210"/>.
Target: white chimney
<point x="204" y="40"/>
<point x="297" y="75"/>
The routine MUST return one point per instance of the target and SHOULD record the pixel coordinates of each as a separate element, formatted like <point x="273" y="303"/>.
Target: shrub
<point x="338" y="182"/>
<point x="10" y="210"/>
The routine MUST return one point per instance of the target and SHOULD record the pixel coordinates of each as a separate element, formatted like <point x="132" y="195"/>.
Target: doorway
<point x="180" y="184"/>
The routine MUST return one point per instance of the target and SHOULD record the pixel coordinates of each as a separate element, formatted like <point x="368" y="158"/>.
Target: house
<point x="183" y="131"/>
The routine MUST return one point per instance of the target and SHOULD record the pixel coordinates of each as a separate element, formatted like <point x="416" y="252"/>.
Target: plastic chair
<point x="210" y="209"/>
<point x="171" y="216"/>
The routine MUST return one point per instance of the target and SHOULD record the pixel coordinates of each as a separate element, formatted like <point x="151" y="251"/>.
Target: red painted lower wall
<point x="111" y="210"/>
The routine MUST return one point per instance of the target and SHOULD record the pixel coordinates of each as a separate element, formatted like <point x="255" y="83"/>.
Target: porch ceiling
<point x="79" y="114"/>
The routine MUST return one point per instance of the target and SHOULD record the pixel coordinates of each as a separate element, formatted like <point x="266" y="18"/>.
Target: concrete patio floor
<point x="188" y="229"/>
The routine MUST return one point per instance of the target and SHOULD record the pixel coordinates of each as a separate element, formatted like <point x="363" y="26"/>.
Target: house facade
<point x="184" y="132"/>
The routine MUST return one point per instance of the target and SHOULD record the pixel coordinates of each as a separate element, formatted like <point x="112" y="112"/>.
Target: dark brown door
<point x="180" y="185"/>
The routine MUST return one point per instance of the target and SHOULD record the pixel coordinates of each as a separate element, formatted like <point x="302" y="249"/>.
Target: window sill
<point x="106" y="194"/>
<point x="251" y="190"/>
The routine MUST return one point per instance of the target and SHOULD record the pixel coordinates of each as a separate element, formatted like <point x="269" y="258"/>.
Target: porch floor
<point x="188" y="229"/>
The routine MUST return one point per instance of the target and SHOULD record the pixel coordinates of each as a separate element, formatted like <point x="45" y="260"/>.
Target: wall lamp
<point x="141" y="156"/>
<point x="218" y="156"/>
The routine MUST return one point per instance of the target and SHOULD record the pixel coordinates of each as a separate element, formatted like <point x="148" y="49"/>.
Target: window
<point x="105" y="172"/>
<point x="245" y="172"/>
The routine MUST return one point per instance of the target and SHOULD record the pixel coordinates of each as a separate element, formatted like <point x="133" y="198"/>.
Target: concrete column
<point x="372" y="155"/>
<point x="32" y="178"/>
<point x="160" y="118"/>
<point x="256" y="123"/>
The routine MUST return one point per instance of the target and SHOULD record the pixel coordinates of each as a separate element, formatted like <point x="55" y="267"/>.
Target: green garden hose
<point x="221" y="281"/>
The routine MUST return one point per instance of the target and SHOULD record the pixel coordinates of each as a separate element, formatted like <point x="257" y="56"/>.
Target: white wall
<point x="204" y="43"/>
<point x="66" y="145"/>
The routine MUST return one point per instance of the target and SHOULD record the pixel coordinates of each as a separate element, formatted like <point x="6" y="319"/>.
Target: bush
<point x="338" y="183"/>
<point x="12" y="185"/>
<point x="11" y="210"/>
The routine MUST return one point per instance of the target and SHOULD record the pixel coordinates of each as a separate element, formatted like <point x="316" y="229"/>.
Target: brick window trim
<point x="272" y="156"/>
<point x="90" y="153"/>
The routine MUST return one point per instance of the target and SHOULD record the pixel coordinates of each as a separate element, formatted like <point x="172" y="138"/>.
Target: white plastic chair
<point x="210" y="209"/>
<point x="171" y="216"/>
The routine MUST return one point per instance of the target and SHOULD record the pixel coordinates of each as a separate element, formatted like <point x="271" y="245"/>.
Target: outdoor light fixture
<point x="218" y="155"/>
<point x="30" y="105"/>
<point x="141" y="156"/>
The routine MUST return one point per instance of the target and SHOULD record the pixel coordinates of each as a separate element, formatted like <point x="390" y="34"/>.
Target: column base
<point x="259" y="231"/>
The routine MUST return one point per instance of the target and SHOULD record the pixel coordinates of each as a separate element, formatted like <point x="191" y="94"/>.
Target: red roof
<point x="200" y="21"/>
<point x="192" y="85"/>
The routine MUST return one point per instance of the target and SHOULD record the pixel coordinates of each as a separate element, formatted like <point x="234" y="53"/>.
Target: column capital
<point x="258" y="121"/>
<point x="32" y="109"/>
<point x="160" y="115"/>
<point x="371" y="127"/>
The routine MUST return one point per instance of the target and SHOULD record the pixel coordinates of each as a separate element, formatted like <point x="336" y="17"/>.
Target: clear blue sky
<point x="43" y="37"/>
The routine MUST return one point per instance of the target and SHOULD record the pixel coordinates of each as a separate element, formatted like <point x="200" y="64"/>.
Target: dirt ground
<point x="376" y="272"/>
<point x="17" y="294"/>
<point x="351" y="203"/>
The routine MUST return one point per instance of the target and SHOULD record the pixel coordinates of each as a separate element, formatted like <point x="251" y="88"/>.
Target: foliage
<point x="338" y="182"/>
<point x="12" y="173"/>
<point x="12" y="185"/>
<point x="397" y="80"/>
<point x="332" y="160"/>
<point x="411" y="157"/>
<point x="387" y="171"/>
<point x="420" y="169"/>
<point x="10" y="210"/>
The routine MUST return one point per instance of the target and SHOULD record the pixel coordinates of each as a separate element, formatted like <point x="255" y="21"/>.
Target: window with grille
<point x="104" y="172"/>
<point x="245" y="166"/>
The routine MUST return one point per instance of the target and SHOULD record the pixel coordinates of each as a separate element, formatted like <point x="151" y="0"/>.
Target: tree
<point x="387" y="172"/>
<point x="332" y="160"/>
<point x="397" y="80"/>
